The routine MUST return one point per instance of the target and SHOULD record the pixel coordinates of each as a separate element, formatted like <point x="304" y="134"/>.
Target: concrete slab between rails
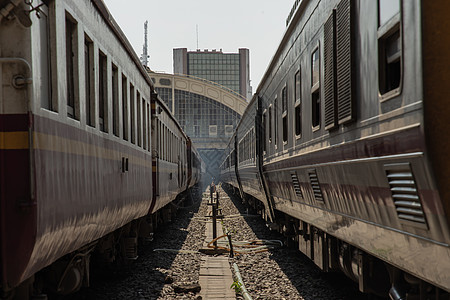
<point x="215" y="276"/>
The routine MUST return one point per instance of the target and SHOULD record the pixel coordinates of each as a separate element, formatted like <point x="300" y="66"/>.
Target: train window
<point x="264" y="137"/>
<point x="389" y="48"/>
<point x="297" y="86"/>
<point x="172" y="147"/>
<point x="315" y="68"/>
<point x="169" y="145"/>
<point x="72" y="67"/>
<point x="244" y="142"/>
<point x="166" y="144"/>
<point x="103" y="92"/>
<point x="270" y="124"/>
<point x="124" y="107"/>
<point x="243" y="150"/>
<point x="149" y="126"/>
<point x="239" y="151"/>
<point x="250" y="148"/>
<point x="89" y="80"/>
<point x="390" y="53"/>
<point x="284" y="99"/>
<point x="275" y="121"/>
<point x="245" y="147"/>
<point x="253" y="144"/>
<point x="158" y="142"/>
<point x="285" y="114"/>
<point x="132" y="114"/>
<point x="139" y="119"/>
<point x="46" y="57"/>
<point x="315" y="89"/>
<point x="144" y="125"/>
<point x="298" y="115"/>
<point x="115" y="98"/>
<point x="163" y="141"/>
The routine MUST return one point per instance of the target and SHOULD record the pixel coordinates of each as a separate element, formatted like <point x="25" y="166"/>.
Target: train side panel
<point x="194" y="164"/>
<point x="18" y="209"/>
<point x="170" y="161"/>
<point x="84" y="168"/>
<point x="346" y="153"/>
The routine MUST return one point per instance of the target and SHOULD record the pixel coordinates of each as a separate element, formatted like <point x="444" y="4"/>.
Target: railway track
<point x="168" y="268"/>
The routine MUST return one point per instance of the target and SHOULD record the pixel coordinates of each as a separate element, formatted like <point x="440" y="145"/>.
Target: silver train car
<point x="89" y="155"/>
<point x="352" y="146"/>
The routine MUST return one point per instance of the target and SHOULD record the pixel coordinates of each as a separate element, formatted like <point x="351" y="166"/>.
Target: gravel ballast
<point x="163" y="272"/>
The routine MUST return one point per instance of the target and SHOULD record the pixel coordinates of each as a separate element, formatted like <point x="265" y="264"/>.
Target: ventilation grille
<point x="296" y="185"/>
<point x="404" y="193"/>
<point x="344" y="61"/>
<point x="315" y="185"/>
<point x="329" y="68"/>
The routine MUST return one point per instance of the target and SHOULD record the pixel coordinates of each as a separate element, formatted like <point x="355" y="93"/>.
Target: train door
<point x="260" y="142"/>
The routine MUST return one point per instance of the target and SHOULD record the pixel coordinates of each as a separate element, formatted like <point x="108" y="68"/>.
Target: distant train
<point x="346" y="142"/>
<point x="90" y="157"/>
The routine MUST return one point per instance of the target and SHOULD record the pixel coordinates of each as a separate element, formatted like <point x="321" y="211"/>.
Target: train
<point x="344" y="145"/>
<point x="90" y="156"/>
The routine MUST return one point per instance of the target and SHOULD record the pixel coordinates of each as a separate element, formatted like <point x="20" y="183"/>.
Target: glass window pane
<point x="387" y="9"/>
<point x="297" y="86"/>
<point x="315" y="67"/>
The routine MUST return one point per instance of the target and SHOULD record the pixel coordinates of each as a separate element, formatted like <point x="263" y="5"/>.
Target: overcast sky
<point x="228" y="25"/>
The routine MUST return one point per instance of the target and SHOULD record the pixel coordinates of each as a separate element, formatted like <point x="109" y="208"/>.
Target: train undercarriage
<point x="331" y="254"/>
<point x="71" y="272"/>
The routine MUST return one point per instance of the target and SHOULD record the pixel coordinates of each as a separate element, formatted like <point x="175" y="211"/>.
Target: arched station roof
<point x="201" y="87"/>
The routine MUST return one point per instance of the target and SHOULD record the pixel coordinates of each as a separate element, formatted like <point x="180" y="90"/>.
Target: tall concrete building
<point x="231" y="70"/>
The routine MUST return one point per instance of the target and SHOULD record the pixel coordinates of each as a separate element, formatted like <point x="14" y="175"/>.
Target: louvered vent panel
<point x="296" y="185"/>
<point x="315" y="185"/>
<point x="329" y="65"/>
<point x="344" y="61"/>
<point x="404" y="193"/>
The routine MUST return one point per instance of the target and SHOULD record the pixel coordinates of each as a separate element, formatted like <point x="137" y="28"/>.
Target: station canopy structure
<point x="208" y="112"/>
